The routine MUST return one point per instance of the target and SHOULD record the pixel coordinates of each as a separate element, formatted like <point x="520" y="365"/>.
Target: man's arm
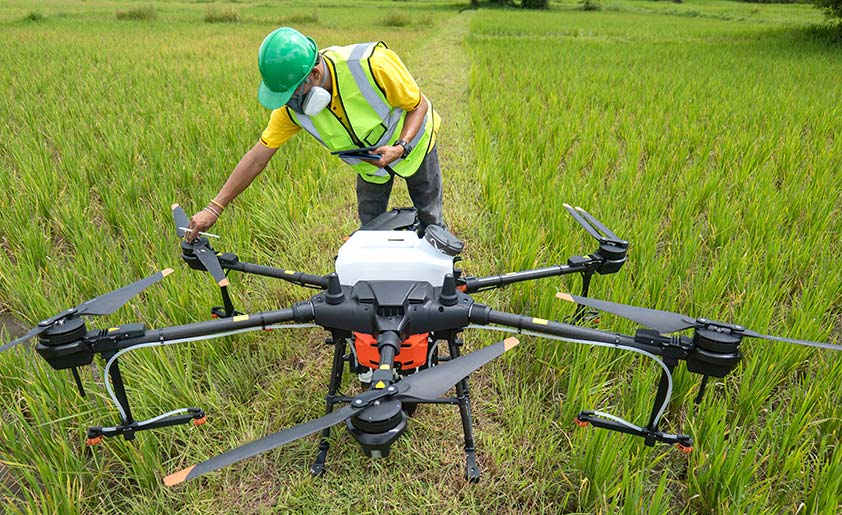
<point x="249" y="167"/>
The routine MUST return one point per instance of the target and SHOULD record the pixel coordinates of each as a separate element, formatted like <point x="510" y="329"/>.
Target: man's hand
<point x="200" y="222"/>
<point x="389" y="154"/>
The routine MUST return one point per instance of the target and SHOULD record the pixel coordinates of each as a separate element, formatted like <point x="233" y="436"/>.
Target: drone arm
<point x="389" y="345"/>
<point x="484" y="315"/>
<point x="647" y="343"/>
<point x="299" y="278"/>
<point x="574" y="265"/>
<point x="608" y="259"/>
<point x="301" y="313"/>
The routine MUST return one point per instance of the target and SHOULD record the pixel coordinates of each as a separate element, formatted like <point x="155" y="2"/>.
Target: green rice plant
<point x="218" y="14"/>
<point x="586" y="147"/>
<point x="696" y="138"/>
<point x="34" y="16"/>
<point x="146" y="13"/>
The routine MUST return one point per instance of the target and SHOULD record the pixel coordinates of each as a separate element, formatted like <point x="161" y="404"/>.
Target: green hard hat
<point x="285" y="58"/>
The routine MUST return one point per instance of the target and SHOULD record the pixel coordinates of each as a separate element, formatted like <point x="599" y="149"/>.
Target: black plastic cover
<point x="63" y="345"/>
<point x="395" y="220"/>
<point x="443" y="240"/>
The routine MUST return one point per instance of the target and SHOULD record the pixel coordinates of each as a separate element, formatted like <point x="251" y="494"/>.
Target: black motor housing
<point x="62" y="344"/>
<point x="716" y="353"/>
<point x="375" y="428"/>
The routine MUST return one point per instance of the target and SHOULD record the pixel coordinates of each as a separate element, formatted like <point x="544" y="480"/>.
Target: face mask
<point x="313" y="102"/>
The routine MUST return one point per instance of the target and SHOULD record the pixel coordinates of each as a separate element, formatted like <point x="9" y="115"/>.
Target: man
<point x="348" y="98"/>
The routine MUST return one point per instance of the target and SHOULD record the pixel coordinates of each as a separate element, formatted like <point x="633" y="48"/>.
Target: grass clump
<point x="300" y="18"/>
<point x="216" y="14"/>
<point x="34" y="16"/>
<point x="147" y="13"/>
<point x="396" y="19"/>
<point x="589" y="5"/>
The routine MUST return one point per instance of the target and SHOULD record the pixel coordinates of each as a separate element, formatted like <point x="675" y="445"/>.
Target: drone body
<point x="394" y="305"/>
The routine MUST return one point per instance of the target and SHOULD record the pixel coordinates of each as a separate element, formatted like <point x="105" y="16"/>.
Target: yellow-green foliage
<point x="34" y="16"/>
<point x="216" y="14"/>
<point x="300" y="18"/>
<point x="706" y="133"/>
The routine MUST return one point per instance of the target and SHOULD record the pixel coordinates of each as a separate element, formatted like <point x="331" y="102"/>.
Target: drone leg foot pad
<point x="318" y="467"/>
<point x="472" y="470"/>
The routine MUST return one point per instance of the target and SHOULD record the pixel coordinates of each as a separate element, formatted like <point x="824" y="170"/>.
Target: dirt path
<point x="443" y="75"/>
<point x="443" y="72"/>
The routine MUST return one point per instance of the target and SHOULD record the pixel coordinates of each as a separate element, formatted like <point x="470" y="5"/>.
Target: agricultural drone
<point x="394" y="301"/>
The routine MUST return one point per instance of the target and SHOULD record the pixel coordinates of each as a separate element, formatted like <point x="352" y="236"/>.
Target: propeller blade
<point x="588" y="227"/>
<point x="210" y="261"/>
<point x="432" y="383"/>
<point x="601" y="227"/>
<point x="111" y="302"/>
<point x="102" y="305"/>
<point x="427" y="384"/>
<point x="808" y="343"/>
<point x="258" y="446"/>
<point x="34" y="332"/>
<point x="180" y="219"/>
<point x="200" y="247"/>
<point x="667" y="322"/>
<point x="661" y="321"/>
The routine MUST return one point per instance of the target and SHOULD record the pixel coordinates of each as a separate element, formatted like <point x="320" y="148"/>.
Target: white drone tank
<point x="397" y="256"/>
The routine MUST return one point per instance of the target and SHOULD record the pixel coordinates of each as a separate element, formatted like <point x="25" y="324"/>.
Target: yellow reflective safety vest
<point x="372" y="120"/>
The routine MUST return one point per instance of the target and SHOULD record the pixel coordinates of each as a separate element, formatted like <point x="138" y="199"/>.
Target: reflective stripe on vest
<point x="368" y="113"/>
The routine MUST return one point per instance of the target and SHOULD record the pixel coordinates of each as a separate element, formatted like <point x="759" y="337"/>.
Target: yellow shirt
<point x="389" y="71"/>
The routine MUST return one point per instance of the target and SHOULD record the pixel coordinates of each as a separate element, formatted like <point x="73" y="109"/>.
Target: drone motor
<point x="62" y="344"/>
<point x="377" y="427"/>
<point x="716" y="351"/>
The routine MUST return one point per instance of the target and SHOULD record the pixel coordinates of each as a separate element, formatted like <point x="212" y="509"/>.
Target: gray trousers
<point x="424" y="188"/>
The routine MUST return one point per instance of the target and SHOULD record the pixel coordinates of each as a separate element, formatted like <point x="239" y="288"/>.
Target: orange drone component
<point x="413" y="351"/>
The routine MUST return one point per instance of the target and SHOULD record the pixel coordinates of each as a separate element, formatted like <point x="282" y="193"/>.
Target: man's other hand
<point x="200" y="222"/>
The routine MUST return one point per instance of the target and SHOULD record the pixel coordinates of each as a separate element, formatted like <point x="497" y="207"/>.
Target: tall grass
<point x="717" y="163"/>
<point x="34" y="16"/>
<point x="300" y="18"/>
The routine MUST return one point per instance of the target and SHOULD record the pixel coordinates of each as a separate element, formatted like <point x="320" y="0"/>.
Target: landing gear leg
<point x="472" y="470"/>
<point x="339" y="344"/>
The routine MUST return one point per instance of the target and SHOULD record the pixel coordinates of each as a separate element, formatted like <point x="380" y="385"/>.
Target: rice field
<point x="706" y="133"/>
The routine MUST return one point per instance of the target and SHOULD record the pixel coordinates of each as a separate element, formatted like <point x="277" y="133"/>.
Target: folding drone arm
<point x="608" y="258"/>
<point x="230" y="261"/>
<point x="72" y="349"/>
<point x="576" y="264"/>
<point x="199" y="255"/>
<point x="302" y="312"/>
